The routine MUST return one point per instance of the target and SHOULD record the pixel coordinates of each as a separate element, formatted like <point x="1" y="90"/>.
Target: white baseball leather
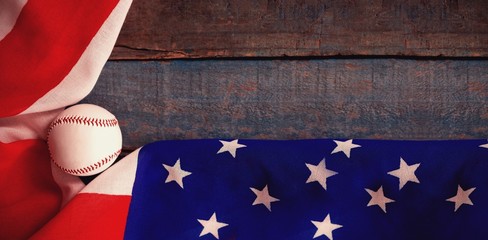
<point x="84" y="140"/>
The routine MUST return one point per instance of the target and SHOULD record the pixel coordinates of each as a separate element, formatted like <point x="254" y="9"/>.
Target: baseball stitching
<point x="92" y="167"/>
<point x="69" y="119"/>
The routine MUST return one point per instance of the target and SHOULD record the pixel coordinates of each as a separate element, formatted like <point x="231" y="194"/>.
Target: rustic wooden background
<point x="274" y="28"/>
<point x="275" y="69"/>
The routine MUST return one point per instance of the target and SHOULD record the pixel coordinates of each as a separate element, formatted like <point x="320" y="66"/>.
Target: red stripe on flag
<point x="29" y="196"/>
<point x="89" y="216"/>
<point x="45" y="43"/>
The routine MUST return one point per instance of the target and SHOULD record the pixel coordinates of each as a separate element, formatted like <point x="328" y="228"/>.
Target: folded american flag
<point x="302" y="189"/>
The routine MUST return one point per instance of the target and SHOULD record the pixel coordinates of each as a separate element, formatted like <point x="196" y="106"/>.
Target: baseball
<point x="84" y="140"/>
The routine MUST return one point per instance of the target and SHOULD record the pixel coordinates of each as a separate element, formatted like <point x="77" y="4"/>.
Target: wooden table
<point x="278" y="69"/>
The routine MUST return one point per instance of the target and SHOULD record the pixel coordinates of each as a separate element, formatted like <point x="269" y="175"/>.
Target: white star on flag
<point x="175" y="173"/>
<point x="345" y="147"/>
<point x="263" y="197"/>
<point x="211" y="226"/>
<point x="406" y="173"/>
<point x="378" y="198"/>
<point x="325" y="227"/>
<point x="484" y="145"/>
<point x="230" y="147"/>
<point x="462" y="197"/>
<point x="319" y="173"/>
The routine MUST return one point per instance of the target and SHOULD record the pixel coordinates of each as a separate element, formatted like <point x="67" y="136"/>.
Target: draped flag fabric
<point x="51" y="54"/>
<point x="302" y="189"/>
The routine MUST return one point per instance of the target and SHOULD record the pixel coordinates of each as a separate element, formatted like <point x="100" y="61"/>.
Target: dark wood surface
<point x="294" y="99"/>
<point x="247" y="86"/>
<point x="168" y="29"/>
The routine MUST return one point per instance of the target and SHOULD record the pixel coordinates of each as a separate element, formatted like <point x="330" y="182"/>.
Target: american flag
<point x="51" y="54"/>
<point x="290" y="189"/>
<point x="306" y="189"/>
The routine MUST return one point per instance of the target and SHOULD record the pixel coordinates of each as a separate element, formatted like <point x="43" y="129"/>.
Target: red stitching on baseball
<point x="92" y="167"/>
<point x="70" y="119"/>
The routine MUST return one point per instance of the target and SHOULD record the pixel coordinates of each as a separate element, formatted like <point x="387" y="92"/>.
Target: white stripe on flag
<point x="9" y="12"/>
<point x="26" y="126"/>
<point x="82" y="78"/>
<point x="118" y="179"/>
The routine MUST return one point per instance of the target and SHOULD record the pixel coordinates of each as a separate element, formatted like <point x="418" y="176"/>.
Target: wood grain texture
<point x="169" y="29"/>
<point x="295" y="99"/>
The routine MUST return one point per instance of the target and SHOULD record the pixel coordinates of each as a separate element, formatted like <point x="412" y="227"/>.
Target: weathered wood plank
<point x="270" y="28"/>
<point x="272" y="99"/>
